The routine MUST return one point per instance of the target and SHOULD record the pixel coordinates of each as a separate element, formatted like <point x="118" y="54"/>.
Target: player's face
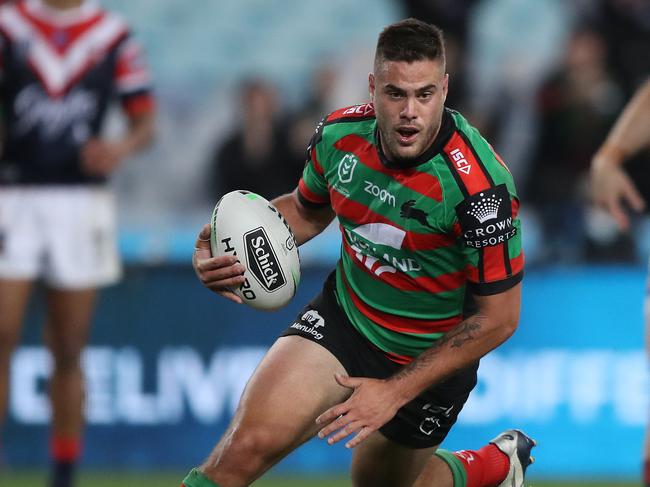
<point x="409" y="99"/>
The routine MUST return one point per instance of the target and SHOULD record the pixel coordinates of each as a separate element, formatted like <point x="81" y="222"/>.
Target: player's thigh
<point x="293" y="384"/>
<point x="14" y="296"/>
<point x="69" y="315"/>
<point x="380" y="462"/>
<point x="81" y="236"/>
<point x="21" y="236"/>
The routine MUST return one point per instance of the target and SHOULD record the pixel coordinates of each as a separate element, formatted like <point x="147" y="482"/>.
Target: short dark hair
<point x="410" y="40"/>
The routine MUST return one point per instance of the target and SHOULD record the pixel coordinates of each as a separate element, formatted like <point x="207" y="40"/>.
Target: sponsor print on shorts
<point x="436" y="415"/>
<point x="309" y="323"/>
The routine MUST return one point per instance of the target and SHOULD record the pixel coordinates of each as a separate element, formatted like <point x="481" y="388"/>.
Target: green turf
<point x="173" y="480"/>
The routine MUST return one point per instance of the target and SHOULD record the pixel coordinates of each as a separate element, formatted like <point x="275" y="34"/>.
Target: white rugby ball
<point x="248" y="226"/>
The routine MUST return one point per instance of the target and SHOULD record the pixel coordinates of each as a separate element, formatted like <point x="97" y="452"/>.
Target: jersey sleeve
<point x="485" y="217"/>
<point x="132" y="78"/>
<point x="313" y="190"/>
<point x="490" y="233"/>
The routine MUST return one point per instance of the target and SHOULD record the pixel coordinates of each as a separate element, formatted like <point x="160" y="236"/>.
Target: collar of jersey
<point x="62" y="18"/>
<point x="447" y="127"/>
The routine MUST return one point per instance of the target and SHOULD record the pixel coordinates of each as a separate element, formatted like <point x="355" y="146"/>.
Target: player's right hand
<point x="610" y="187"/>
<point x="219" y="274"/>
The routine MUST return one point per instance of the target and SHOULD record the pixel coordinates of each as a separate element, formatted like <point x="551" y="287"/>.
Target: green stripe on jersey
<point x="404" y="258"/>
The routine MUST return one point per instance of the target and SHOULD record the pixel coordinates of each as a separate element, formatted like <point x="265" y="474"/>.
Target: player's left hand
<point x="373" y="403"/>
<point x="100" y="157"/>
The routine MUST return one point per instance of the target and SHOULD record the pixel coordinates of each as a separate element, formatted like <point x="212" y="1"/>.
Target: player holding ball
<point x="387" y="354"/>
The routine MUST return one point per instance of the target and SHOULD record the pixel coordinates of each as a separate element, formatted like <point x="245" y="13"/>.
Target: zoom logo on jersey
<point x="486" y="218"/>
<point x="377" y="192"/>
<point x="262" y="261"/>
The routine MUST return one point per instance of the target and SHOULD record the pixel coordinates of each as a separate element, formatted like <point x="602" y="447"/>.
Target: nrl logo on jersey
<point x="346" y="168"/>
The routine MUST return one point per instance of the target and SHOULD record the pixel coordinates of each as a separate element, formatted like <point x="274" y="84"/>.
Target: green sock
<point x="455" y="465"/>
<point x="197" y="479"/>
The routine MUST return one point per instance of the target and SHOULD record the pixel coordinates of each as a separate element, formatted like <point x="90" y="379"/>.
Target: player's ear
<point x="371" y="86"/>
<point x="445" y="86"/>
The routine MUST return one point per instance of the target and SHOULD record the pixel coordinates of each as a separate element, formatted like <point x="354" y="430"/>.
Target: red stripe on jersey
<point x="309" y="195"/>
<point x="400" y="359"/>
<point x="494" y="266"/>
<point x="314" y="160"/>
<point x="421" y="182"/>
<point x="361" y="215"/>
<point x="516" y="264"/>
<point x="60" y="38"/>
<point x="89" y="64"/>
<point x="138" y="105"/>
<point x="355" y="111"/>
<point x="515" y="207"/>
<point x="385" y="272"/>
<point x="465" y="164"/>
<point x="130" y="67"/>
<point x="401" y="324"/>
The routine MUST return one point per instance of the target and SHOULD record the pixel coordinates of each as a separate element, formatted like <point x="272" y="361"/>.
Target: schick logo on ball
<point x="262" y="261"/>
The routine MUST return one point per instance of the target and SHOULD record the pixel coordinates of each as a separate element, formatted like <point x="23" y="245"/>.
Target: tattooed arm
<point x="374" y="402"/>
<point x="495" y="321"/>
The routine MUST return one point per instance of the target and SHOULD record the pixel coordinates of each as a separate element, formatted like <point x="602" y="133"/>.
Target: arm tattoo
<point x="462" y="333"/>
<point x="455" y="338"/>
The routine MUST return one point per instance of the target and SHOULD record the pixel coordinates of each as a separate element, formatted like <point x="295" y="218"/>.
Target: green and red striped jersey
<point x="415" y="238"/>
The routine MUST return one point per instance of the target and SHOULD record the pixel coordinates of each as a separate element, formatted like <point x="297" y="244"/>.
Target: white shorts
<point x="66" y="236"/>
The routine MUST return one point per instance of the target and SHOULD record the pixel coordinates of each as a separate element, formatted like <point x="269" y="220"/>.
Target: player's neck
<point x="63" y="4"/>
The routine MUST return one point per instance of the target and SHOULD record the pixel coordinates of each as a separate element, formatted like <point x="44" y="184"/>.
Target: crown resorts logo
<point x="486" y="208"/>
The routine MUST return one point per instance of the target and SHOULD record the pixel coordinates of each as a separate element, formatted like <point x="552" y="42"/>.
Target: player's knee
<point x="258" y="444"/>
<point x="247" y="452"/>
<point x="67" y="359"/>
<point x="8" y="341"/>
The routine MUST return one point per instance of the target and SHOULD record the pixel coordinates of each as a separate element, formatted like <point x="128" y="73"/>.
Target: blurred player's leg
<point x="379" y="462"/>
<point x="70" y="314"/>
<point x="14" y="295"/>
<point x="293" y="385"/>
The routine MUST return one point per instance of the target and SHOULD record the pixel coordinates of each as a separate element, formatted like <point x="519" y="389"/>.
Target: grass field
<point x="173" y="480"/>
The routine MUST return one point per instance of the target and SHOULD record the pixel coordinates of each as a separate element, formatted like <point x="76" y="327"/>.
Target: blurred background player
<point x="614" y="190"/>
<point x="403" y="335"/>
<point x="62" y="62"/>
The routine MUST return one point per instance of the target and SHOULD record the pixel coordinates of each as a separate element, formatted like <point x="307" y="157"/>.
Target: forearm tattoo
<point x="454" y="338"/>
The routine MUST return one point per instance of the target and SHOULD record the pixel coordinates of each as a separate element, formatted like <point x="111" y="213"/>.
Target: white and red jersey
<point x="59" y="71"/>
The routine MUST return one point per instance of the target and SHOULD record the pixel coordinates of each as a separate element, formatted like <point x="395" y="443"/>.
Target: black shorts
<point x="423" y="422"/>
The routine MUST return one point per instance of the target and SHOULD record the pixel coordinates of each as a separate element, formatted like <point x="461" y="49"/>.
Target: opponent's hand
<point x="373" y="403"/>
<point x="610" y="187"/>
<point x="219" y="274"/>
<point x="101" y="158"/>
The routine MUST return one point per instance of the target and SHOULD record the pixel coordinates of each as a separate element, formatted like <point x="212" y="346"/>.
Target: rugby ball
<point x="248" y="226"/>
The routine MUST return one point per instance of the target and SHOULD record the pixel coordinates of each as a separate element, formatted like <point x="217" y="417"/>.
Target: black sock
<point x="62" y="474"/>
